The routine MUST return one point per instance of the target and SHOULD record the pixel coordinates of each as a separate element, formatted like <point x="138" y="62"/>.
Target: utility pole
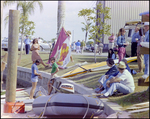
<point x="13" y="34"/>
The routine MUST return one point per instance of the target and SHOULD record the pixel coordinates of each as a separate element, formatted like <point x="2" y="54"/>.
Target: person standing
<point x="70" y="41"/>
<point x="146" y="56"/>
<point x="121" y="42"/>
<point x="78" y="44"/>
<point x="82" y="46"/>
<point x="140" y="57"/>
<point x="34" y="77"/>
<point x="35" y="54"/>
<point x="100" y="48"/>
<point x="111" y="41"/>
<point x="55" y="69"/>
<point x="27" y="43"/>
<point x="135" y="36"/>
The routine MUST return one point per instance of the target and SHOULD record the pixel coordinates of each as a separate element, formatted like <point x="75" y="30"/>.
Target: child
<point x="34" y="77"/>
<point x="112" y="54"/>
<point x="55" y="69"/>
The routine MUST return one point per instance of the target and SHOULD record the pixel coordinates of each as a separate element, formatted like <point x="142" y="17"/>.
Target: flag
<point x="62" y="50"/>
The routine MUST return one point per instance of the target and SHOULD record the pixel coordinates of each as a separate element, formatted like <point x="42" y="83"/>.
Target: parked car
<point x="43" y="46"/>
<point x="88" y="47"/>
<point x="5" y="44"/>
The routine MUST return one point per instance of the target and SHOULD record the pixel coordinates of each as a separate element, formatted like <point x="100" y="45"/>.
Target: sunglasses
<point x="120" y="69"/>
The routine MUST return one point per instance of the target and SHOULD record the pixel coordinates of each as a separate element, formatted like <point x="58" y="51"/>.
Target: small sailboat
<point x="93" y="67"/>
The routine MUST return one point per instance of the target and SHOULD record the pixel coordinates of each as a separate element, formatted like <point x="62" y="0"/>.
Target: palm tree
<point x="86" y="29"/>
<point x="26" y="8"/>
<point x="60" y="15"/>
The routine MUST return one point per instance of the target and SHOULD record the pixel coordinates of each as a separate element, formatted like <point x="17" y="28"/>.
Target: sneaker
<point x="102" y="96"/>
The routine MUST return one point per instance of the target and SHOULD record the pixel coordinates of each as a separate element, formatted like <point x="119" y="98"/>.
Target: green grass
<point x="2" y="93"/>
<point x="140" y="115"/>
<point x="91" y="79"/>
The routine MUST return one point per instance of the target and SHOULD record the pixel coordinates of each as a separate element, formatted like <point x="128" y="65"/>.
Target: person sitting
<point x="112" y="70"/>
<point x="113" y="75"/>
<point x="112" y="54"/>
<point x="123" y="82"/>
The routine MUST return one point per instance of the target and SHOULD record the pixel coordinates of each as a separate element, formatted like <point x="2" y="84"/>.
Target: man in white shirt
<point x="123" y="82"/>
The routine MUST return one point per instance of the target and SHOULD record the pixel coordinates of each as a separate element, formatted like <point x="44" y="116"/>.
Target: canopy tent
<point x="145" y="16"/>
<point x="144" y="13"/>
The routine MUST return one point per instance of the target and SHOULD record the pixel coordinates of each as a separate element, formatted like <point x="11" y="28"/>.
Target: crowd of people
<point x="118" y="77"/>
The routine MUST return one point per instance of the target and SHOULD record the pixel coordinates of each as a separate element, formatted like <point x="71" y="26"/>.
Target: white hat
<point x="121" y="65"/>
<point x="146" y="23"/>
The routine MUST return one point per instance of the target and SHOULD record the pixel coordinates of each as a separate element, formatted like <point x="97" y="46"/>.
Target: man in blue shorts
<point x="34" y="77"/>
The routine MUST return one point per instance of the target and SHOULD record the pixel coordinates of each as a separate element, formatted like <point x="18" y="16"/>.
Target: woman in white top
<point x="69" y="34"/>
<point x="35" y="52"/>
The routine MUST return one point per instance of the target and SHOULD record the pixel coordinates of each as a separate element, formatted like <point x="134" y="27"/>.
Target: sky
<point x="46" y="21"/>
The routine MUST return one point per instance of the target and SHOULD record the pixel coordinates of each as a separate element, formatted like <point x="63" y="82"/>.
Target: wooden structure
<point x="144" y="50"/>
<point x="143" y="82"/>
<point x="145" y="18"/>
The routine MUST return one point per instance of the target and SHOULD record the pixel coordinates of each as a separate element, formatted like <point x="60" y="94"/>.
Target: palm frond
<point x="8" y="3"/>
<point x="6" y="20"/>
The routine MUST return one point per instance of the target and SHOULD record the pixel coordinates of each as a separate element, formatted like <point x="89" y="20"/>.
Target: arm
<point x="119" y="43"/>
<point x="38" y="47"/>
<point x="113" y="56"/>
<point x="55" y="71"/>
<point x="36" y="73"/>
<point x="113" y="80"/>
<point x="110" y="38"/>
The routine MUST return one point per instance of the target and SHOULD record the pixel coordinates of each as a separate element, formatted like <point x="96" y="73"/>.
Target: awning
<point x="144" y="13"/>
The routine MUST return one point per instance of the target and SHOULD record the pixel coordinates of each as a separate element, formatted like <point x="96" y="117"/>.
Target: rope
<point x="46" y="105"/>
<point x="87" y="108"/>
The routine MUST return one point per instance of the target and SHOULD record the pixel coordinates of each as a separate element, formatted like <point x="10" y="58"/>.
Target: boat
<point x="67" y="104"/>
<point x="93" y="67"/>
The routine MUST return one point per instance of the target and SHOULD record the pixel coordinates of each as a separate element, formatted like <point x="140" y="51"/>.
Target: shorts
<point x="51" y="80"/>
<point x="34" y="79"/>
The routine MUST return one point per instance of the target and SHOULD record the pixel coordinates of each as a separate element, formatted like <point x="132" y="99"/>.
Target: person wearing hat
<point x="113" y="75"/>
<point x="70" y="41"/>
<point x="113" y="69"/>
<point x="135" y="37"/>
<point x="27" y="43"/>
<point x="123" y="82"/>
<point x="146" y="56"/>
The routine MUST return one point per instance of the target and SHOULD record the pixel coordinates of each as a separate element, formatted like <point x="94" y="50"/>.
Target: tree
<point x="97" y="30"/>
<point x="53" y="39"/>
<point x="26" y="8"/>
<point x="85" y="13"/>
<point x="86" y="29"/>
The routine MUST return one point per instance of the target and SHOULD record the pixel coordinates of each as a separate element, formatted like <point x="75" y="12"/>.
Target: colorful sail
<point x="62" y="50"/>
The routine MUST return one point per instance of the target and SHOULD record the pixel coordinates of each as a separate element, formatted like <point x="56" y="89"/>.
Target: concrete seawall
<point x="24" y="79"/>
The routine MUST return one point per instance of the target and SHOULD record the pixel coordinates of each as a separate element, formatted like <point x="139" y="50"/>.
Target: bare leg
<point x="33" y="89"/>
<point x="71" y="58"/>
<point x="50" y="87"/>
<point x="43" y="63"/>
